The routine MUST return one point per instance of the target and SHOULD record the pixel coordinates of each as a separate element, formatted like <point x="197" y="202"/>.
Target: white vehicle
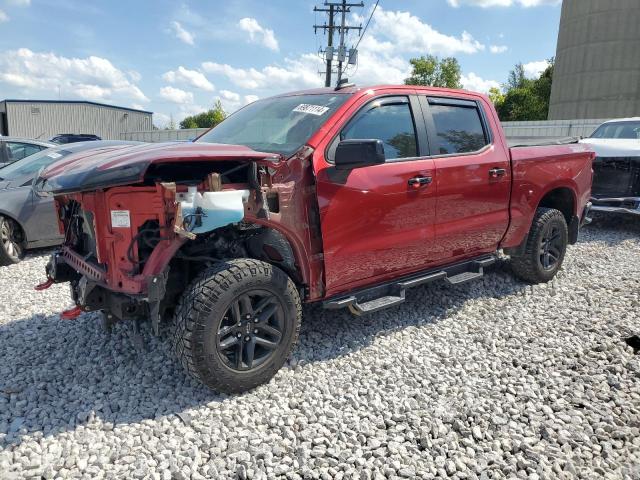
<point x="616" y="180"/>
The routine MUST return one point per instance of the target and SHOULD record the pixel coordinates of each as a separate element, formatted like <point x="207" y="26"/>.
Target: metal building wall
<point x="597" y="71"/>
<point x="45" y="119"/>
<point x="155" y="136"/>
<point x="551" y="128"/>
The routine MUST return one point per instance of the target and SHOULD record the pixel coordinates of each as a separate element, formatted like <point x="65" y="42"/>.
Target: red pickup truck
<point x="347" y="197"/>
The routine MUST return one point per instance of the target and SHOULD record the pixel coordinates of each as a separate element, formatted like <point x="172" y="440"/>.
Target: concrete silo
<point x="597" y="72"/>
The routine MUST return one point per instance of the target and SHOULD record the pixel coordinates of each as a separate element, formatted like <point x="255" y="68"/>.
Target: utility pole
<point x="334" y="8"/>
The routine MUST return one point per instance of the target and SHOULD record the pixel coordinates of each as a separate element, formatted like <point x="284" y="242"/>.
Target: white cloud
<point x="475" y="83"/>
<point x="3" y="17"/>
<point x="19" y="3"/>
<point x="176" y="95"/>
<point x="295" y="73"/>
<point x="407" y="33"/>
<point x="190" y="77"/>
<point x="502" y="3"/>
<point x="498" y="48"/>
<point x="534" y="69"/>
<point x="137" y="106"/>
<point x="91" y="78"/>
<point x="228" y="95"/>
<point x="383" y="56"/>
<point x="161" y="120"/>
<point x="183" y="35"/>
<point x="134" y="76"/>
<point x="258" y="34"/>
<point x="232" y="101"/>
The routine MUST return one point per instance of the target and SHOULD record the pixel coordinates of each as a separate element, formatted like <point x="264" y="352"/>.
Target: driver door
<point x="377" y="221"/>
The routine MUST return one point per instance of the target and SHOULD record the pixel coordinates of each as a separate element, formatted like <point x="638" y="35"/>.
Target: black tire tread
<point x="525" y="266"/>
<point x="198" y="300"/>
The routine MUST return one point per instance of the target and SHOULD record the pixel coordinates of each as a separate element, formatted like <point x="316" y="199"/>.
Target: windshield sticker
<point x="54" y="155"/>
<point x="311" y="109"/>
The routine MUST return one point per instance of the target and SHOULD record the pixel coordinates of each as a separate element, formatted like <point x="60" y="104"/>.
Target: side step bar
<point x="374" y="299"/>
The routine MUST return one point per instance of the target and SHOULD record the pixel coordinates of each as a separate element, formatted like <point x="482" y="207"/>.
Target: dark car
<point x="27" y="220"/>
<point x="13" y="149"/>
<point x="74" y="138"/>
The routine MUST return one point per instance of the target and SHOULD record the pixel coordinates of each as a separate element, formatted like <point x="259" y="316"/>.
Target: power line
<point x="367" y="24"/>
<point x="364" y="32"/>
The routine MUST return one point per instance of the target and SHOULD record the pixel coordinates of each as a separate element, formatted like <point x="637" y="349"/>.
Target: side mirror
<point x="359" y="153"/>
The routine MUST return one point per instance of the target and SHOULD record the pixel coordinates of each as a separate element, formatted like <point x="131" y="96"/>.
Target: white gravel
<point x="492" y="379"/>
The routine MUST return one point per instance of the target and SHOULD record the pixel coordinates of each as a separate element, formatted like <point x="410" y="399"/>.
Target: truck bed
<point x="540" y="141"/>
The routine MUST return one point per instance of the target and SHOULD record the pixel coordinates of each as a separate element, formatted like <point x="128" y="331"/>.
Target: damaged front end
<point x="616" y="184"/>
<point x="133" y="244"/>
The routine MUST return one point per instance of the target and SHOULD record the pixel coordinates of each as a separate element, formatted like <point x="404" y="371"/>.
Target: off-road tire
<point x="528" y="266"/>
<point x="7" y="256"/>
<point x="201" y="311"/>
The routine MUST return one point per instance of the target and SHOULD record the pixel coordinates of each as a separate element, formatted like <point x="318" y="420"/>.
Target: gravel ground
<point x="491" y="379"/>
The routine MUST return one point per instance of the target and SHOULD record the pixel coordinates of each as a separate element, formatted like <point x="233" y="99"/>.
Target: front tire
<point x="11" y="242"/>
<point x="545" y="248"/>
<point x="237" y="324"/>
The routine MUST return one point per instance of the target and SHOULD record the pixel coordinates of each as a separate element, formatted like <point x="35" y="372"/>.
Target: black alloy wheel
<point x="251" y="330"/>
<point x="236" y="324"/>
<point x="544" y="248"/>
<point x="551" y="247"/>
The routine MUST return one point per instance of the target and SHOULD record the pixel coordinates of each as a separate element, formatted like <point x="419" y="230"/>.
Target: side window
<point x="458" y="129"/>
<point x="390" y="122"/>
<point x="18" y="150"/>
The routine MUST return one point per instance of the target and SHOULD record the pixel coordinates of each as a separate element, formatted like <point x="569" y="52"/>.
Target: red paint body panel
<point x="539" y="170"/>
<point x="112" y="244"/>
<point x="351" y="229"/>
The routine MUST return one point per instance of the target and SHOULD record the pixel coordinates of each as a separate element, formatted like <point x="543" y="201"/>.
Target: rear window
<point x="458" y="129"/>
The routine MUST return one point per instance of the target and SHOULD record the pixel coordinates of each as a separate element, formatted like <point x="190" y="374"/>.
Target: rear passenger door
<point x="473" y="178"/>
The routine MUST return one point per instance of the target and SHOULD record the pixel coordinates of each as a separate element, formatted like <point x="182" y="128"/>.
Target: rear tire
<point x="237" y="324"/>
<point x="11" y="242"/>
<point x="545" y="248"/>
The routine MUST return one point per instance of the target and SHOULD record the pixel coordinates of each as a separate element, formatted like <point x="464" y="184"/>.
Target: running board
<point x="379" y="297"/>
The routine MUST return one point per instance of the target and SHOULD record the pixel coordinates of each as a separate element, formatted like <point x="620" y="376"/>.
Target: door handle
<point x="497" y="172"/>
<point x="417" y="182"/>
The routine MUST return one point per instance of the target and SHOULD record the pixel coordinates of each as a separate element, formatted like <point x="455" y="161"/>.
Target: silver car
<point x="27" y="220"/>
<point x="13" y="149"/>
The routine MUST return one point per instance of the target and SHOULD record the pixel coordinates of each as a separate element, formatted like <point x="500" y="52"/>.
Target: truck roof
<point x="357" y="88"/>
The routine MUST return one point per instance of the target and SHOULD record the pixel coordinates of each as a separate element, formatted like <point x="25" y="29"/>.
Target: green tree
<point x="435" y="72"/>
<point x="524" y="98"/>
<point x="496" y="96"/>
<point x="517" y="78"/>
<point x="207" y="119"/>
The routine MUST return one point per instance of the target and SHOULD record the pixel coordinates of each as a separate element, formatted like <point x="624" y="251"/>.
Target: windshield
<point x="276" y="125"/>
<point x="626" y="130"/>
<point x="30" y="165"/>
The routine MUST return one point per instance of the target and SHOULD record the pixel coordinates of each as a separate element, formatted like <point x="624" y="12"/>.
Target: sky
<point x="176" y="58"/>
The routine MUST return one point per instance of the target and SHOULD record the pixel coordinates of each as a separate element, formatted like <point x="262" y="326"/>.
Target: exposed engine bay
<point x="154" y="237"/>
